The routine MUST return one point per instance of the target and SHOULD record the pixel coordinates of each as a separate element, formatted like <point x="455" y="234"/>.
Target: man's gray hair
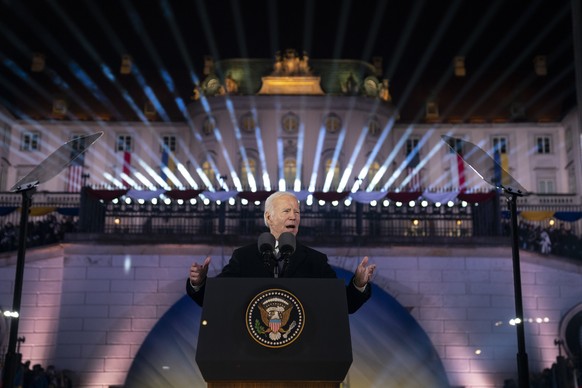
<point x="269" y="202"/>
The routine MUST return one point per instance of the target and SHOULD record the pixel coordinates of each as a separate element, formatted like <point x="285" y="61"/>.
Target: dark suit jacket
<point x="247" y="262"/>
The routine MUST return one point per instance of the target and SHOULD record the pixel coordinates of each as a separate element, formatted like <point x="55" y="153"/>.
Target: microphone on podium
<point x="287" y="245"/>
<point x="266" y="246"/>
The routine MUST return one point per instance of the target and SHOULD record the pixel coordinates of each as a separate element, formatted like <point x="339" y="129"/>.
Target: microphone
<point x="266" y="246"/>
<point x="286" y="244"/>
<point x="286" y="247"/>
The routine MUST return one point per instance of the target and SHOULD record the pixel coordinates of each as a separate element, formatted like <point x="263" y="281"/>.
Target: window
<point x="169" y="143"/>
<point x="432" y="110"/>
<point x="289" y="171"/>
<point x="208" y="171"/>
<point x="500" y="144"/>
<point x="78" y="143"/>
<point x="373" y="127"/>
<point x="247" y="123"/>
<point x="543" y="145"/>
<point x="336" y="173"/>
<point x="208" y="125"/>
<point x="455" y="145"/>
<point x="30" y="141"/>
<point x="373" y="170"/>
<point x="290" y="123"/>
<point x="332" y="123"/>
<point x="244" y="173"/>
<point x="149" y="110"/>
<point x="546" y="186"/>
<point x="411" y="146"/>
<point x="123" y="143"/>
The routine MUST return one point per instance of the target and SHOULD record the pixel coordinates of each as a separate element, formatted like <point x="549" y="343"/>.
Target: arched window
<point x="208" y="171"/>
<point x="247" y="123"/>
<point x="333" y="123"/>
<point x="372" y="171"/>
<point x="290" y="171"/>
<point x="208" y="125"/>
<point x="373" y="127"/>
<point x="336" y="173"/>
<point x="244" y="173"/>
<point x="290" y="123"/>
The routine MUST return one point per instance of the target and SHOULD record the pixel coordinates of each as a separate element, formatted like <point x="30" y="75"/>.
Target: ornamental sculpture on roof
<point x="290" y="64"/>
<point x="291" y="76"/>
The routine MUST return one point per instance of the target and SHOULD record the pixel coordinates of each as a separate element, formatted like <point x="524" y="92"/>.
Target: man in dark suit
<point x="282" y="215"/>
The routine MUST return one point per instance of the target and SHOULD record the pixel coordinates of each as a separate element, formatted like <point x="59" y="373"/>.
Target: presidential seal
<point x="275" y="318"/>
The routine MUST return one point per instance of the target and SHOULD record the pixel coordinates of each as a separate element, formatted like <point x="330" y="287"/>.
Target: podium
<point x="267" y="332"/>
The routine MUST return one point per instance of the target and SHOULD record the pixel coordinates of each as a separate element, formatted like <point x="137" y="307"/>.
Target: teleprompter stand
<point x="230" y="352"/>
<point x="486" y="167"/>
<point x="43" y="172"/>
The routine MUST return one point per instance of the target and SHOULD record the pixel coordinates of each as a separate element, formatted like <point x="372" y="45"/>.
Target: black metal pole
<point x="522" y="362"/>
<point x="12" y="359"/>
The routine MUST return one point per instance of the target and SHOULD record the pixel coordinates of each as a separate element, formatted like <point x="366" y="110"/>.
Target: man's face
<point x="285" y="217"/>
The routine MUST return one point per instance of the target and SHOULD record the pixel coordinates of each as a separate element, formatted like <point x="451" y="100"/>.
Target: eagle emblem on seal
<point x="275" y="318"/>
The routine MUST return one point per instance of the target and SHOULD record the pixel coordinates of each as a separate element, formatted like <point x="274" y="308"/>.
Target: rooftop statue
<point x="290" y="64"/>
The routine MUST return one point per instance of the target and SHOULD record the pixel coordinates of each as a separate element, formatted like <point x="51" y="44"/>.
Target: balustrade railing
<point x="61" y="215"/>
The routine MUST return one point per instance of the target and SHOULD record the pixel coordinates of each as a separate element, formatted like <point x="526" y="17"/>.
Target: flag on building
<point x="168" y="164"/>
<point x="501" y="168"/>
<point x="457" y="164"/>
<point x="505" y="172"/>
<point x="126" y="166"/>
<point x="76" y="167"/>
<point x="461" y="172"/>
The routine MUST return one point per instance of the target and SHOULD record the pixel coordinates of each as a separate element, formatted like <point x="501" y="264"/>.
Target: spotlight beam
<point x="355" y="152"/>
<point x="317" y="158"/>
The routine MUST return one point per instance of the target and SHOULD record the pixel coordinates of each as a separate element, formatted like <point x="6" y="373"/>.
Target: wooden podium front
<point x="263" y="332"/>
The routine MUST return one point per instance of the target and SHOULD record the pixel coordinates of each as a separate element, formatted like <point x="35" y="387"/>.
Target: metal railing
<point x="75" y="217"/>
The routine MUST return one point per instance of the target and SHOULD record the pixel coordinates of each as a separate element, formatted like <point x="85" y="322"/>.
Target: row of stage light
<point x="309" y="202"/>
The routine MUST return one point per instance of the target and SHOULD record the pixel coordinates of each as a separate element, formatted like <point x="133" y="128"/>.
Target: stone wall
<point x="88" y="308"/>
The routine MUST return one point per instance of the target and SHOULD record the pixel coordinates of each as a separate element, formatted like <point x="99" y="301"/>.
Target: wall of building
<point x="353" y="151"/>
<point x="88" y="308"/>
